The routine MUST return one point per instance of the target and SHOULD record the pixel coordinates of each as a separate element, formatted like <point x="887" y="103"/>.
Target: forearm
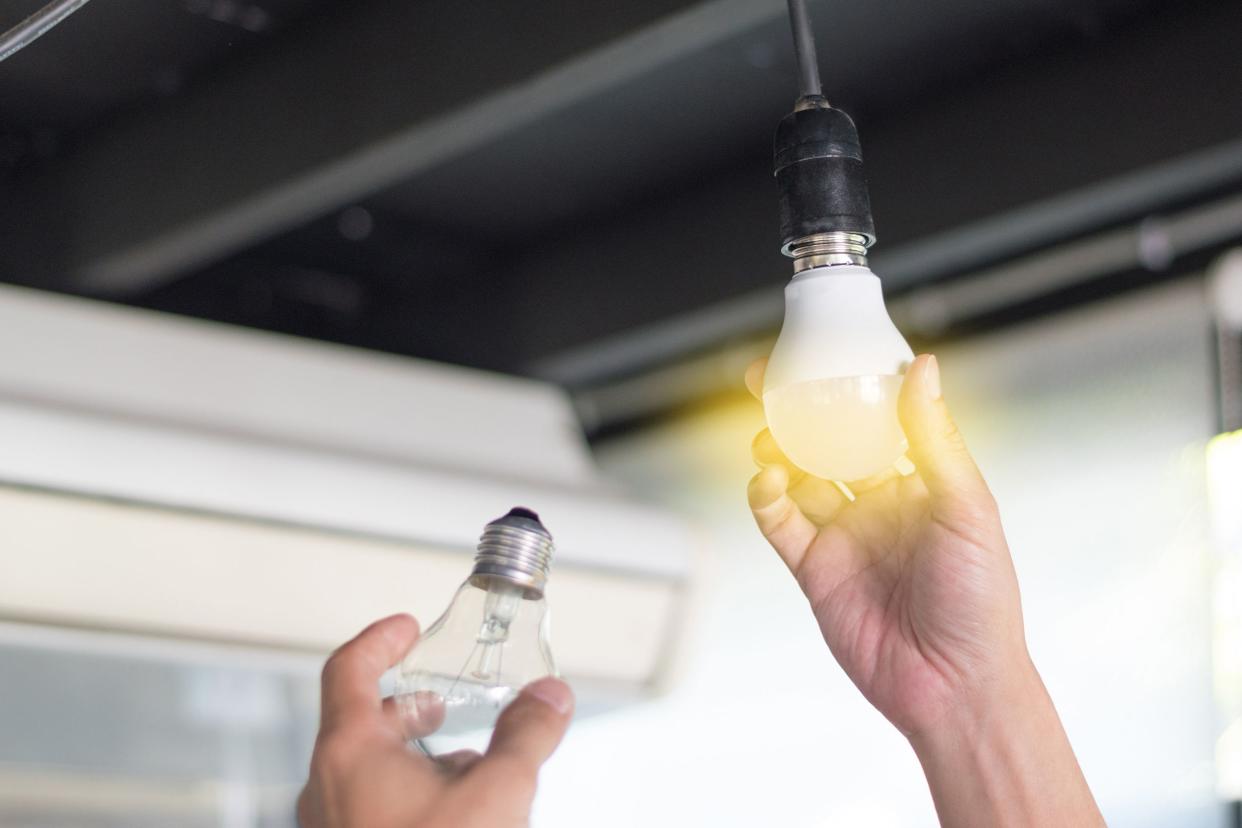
<point x="1005" y="760"/>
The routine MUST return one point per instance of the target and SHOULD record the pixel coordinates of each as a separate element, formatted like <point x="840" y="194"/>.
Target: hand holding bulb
<point x="363" y="771"/>
<point x="492" y="639"/>
<point x="915" y="594"/>
<point x="485" y="662"/>
<point x="911" y="582"/>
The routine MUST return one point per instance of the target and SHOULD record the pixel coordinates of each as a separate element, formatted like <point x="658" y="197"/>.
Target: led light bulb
<point x="490" y="642"/>
<point x="831" y="385"/>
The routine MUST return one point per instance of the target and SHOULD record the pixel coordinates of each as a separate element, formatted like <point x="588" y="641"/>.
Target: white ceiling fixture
<point x="171" y="477"/>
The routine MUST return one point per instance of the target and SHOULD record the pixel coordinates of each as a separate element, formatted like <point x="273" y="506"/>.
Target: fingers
<point x="351" y="676"/>
<point x="526" y="734"/>
<point x="754" y="377"/>
<point x="458" y="762"/>
<point x="498" y="787"/>
<point x="936" y="446"/>
<point x="765" y="452"/>
<point x="393" y="714"/>
<point x="532" y="726"/>
<point x="813" y="498"/>
<point x="309" y="808"/>
<point x="415" y="715"/>
<point x="875" y="481"/>
<point x="779" y="518"/>
<point x="819" y="499"/>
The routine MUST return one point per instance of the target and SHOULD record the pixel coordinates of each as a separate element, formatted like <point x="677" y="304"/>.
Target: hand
<point x="912" y="582"/>
<point x="915" y="593"/>
<point x="364" y="774"/>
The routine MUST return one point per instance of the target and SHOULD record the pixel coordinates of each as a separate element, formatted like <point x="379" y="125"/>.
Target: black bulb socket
<point x="818" y="165"/>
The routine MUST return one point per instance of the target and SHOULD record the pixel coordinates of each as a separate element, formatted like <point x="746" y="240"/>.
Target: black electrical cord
<point x="804" y="48"/>
<point x="36" y="25"/>
<point x="817" y="161"/>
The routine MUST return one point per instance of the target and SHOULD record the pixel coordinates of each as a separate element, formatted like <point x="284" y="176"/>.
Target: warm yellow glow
<point x="844" y="428"/>
<point x="1224" y="477"/>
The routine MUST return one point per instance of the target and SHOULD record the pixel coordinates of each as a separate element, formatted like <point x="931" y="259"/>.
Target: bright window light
<point x="1224" y="471"/>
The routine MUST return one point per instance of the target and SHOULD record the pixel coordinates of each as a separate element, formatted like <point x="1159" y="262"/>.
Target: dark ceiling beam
<point x="906" y="266"/>
<point x="254" y="150"/>
<point x="1130" y="257"/>
<point x="1028" y="155"/>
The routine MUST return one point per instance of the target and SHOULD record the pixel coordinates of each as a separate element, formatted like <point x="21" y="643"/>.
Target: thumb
<point x="936" y="446"/>
<point x="500" y="787"/>
<point x="532" y="726"/>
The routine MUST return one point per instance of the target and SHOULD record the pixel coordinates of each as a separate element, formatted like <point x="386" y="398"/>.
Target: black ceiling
<point x="112" y="58"/>
<point x="493" y="185"/>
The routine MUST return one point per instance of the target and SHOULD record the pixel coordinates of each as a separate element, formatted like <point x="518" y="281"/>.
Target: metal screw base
<point x="822" y="249"/>
<point x="515" y="549"/>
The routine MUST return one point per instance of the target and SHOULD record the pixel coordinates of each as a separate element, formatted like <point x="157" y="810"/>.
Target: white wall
<point x="1090" y="427"/>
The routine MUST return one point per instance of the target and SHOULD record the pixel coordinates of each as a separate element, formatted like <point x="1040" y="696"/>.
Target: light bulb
<point x="831" y="385"/>
<point x="490" y="642"/>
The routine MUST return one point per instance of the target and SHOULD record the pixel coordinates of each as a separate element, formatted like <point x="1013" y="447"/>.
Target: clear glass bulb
<point x="490" y="642"/>
<point x="831" y="385"/>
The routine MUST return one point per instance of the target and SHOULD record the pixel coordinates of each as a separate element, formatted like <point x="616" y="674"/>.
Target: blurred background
<point x="298" y="294"/>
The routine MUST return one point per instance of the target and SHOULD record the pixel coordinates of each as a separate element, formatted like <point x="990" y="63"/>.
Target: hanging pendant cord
<point x="804" y="48"/>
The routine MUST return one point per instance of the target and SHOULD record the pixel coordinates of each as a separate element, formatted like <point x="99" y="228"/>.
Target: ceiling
<point x="113" y="59"/>
<point x="500" y="185"/>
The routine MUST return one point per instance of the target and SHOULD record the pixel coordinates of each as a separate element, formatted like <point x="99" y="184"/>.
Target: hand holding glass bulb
<point x="363" y="771"/>
<point x="484" y="663"/>
<point x="490" y="642"/>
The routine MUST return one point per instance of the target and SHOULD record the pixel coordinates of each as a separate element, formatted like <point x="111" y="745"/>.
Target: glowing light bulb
<point x="490" y="642"/>
<point x="831" y="386"/>
<point x="832" y="382"/>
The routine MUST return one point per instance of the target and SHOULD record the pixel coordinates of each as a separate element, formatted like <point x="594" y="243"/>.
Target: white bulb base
<point x="835" y="325"/>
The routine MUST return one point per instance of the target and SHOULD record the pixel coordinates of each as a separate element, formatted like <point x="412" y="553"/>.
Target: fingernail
<point x="554" y="693"/>
<point x="931" y="378"/>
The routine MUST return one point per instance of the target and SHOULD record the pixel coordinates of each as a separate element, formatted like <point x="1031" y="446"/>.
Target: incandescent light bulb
<point x="490" y="642"/>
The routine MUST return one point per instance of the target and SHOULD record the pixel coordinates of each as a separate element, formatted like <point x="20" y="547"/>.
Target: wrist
<point x="987" y="710"/>
<point x="1000" y="756"/>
